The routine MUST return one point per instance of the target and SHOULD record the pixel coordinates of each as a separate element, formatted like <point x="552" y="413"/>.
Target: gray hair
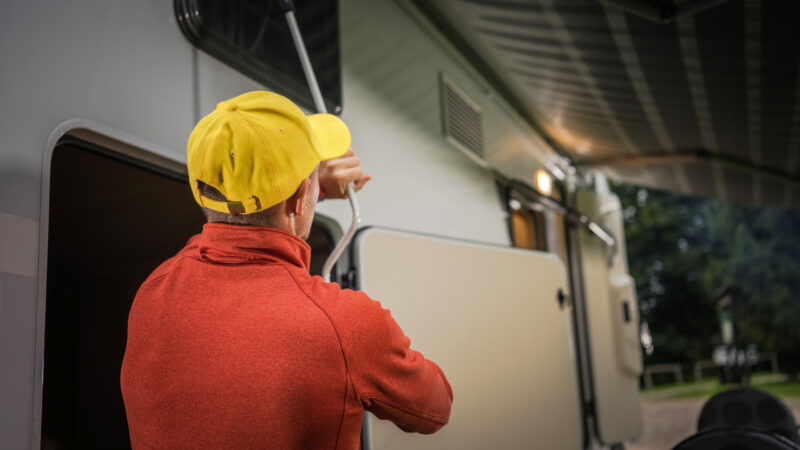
<point x="263" y="218"/>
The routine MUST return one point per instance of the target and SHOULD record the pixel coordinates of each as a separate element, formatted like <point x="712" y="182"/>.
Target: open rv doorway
<point x="112" y="220"/>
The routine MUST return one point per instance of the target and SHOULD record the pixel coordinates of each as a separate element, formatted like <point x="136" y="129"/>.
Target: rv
<point x="489" y="229"/>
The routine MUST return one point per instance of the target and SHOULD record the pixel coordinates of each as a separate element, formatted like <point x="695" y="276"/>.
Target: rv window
<point x="112" y="221"/>
<point x="536" y="224"/>
<point x="252" y="37"/>
<point x="528" y="229"/>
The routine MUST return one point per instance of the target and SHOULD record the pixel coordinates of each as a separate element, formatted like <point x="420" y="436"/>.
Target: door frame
<point x="122" y="146"/>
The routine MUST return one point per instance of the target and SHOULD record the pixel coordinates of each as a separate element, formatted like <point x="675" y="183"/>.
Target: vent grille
<point x="462" y="121"/>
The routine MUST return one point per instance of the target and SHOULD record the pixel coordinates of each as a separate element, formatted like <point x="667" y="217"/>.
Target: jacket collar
<point x="241" y="244"/>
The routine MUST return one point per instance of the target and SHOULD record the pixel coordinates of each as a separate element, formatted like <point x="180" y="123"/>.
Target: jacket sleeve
<point x="390" y="379"/>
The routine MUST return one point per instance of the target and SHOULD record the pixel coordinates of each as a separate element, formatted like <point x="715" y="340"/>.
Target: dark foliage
<point x="682" y="250"/>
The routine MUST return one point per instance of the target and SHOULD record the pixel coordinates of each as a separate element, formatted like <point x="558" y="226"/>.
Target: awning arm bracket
<point x="530" y="197"/>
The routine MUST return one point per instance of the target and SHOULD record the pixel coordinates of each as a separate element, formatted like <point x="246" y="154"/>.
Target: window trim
<point x="118" y="145"/>
<point x="189" y="21"/>
<point x="531" y="198"/>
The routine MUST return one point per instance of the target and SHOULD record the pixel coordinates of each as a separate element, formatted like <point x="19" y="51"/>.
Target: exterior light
<point x="544" y="183"/>
<point x="515" y="204"/>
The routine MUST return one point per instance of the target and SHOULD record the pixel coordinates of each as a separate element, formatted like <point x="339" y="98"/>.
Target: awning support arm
<point x="530" y="197"/>
<point x="287" y="7"/>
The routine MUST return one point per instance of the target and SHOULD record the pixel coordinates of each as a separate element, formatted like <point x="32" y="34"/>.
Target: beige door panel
<point x="490" y="318"/>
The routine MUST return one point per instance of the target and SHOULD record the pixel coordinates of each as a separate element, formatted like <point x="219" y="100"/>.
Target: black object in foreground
<point x="743" y="419"/>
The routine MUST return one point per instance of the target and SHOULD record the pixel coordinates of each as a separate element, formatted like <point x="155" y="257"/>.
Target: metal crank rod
<point x="287" y="7"/>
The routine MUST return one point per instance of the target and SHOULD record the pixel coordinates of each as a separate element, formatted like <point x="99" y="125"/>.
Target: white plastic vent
<point x="462" y="122"/>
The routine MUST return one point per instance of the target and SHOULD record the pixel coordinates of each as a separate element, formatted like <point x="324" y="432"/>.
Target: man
<point x="231" y="343"/>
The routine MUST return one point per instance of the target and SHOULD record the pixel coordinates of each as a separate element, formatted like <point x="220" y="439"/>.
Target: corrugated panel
<point x="461" y="121"/>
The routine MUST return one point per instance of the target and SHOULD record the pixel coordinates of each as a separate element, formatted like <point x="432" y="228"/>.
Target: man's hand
<point x="336" y="173"/>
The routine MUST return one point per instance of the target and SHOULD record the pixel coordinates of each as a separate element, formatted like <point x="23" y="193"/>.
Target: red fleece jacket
<point x="232" y="344"/>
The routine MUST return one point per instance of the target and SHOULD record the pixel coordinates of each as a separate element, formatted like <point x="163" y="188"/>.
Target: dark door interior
<point x="112" y="221"/>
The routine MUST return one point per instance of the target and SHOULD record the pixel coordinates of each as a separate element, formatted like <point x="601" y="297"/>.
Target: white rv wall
<point x="421" y="182"/>
<point x="126" y="65"/>
<point x="121" y="63"/>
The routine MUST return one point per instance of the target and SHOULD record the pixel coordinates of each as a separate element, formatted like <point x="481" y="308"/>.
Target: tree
<point x="757" y="252"/>
<point x="681" y="250"/>
<point x="666" y="236"/>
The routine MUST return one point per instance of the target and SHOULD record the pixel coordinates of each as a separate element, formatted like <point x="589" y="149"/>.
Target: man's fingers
<point x="344" y="162"/>
<point x="349" y="175"/>
<point x="347" y="158"/>
<point x="336" y="173"/>
<point x="361" y="182"/>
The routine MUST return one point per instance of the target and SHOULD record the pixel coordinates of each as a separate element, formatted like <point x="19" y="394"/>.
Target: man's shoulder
<point x="165" y="267"/>
<point x="317" y="289"/>
<point x="341" y="305"/>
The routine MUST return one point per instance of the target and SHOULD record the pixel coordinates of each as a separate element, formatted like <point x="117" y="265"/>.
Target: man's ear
<point x="296" y="204"/>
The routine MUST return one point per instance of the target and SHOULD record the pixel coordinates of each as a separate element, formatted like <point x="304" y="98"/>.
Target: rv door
<point x="496" y="321"/>
<point x="613" y="321"/>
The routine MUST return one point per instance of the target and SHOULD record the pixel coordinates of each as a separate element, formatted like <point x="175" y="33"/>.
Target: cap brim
<point x="332" y="134"/>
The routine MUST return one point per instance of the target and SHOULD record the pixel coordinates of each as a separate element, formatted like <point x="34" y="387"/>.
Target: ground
<point x="670" y="413"/>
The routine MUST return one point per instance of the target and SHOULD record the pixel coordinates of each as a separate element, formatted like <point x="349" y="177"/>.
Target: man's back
<point x="232" y="344"/>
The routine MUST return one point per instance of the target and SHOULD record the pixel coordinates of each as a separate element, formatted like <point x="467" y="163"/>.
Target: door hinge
<point x="349" y="280"/>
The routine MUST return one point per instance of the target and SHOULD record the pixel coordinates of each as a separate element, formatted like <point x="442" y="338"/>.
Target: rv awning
<point x="700" y="97"/>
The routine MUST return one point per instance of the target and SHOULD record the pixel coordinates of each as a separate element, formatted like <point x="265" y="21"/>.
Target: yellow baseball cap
<point x="257" y="148"/>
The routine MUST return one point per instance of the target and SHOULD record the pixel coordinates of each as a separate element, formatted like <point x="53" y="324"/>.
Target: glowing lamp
<point x="544" y="183"/>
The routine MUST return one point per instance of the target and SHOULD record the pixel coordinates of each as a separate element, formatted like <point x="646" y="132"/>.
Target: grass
<point x="781" y="389"/>
<point x="716" y="388"/>
<point x="687" y="385"/>
<point x="775" y="385"/>
<point x="785" y="389"/>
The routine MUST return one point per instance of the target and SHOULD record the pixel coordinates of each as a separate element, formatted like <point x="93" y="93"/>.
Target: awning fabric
<point x="701" y="97"/>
